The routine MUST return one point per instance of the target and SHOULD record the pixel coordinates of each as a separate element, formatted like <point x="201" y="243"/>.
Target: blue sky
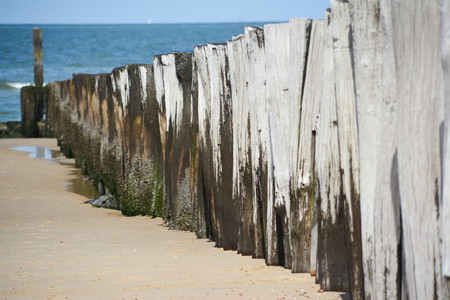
<point x="159" y="11"/>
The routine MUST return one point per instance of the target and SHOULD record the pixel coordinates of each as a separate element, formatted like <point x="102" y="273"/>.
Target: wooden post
<point x="32" y="97"/>
<point x="276" y="41"/>
<point x="446" y="141"/>
<point x="38" y="65"/>
<point x="418" y="92"/>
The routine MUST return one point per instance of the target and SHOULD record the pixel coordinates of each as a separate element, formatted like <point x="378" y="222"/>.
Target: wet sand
<point x="53" y="246"/>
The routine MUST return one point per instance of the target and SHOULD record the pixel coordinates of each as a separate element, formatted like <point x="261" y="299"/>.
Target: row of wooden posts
<point x="319" y="145"/>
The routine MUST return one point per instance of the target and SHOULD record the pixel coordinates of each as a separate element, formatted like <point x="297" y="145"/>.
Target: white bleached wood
<point x="226" y="210"/>
<point x="327" y="144"/>
<point x="446" y="158"/>
<point x="306" y="113"/>
<point x="242" y="192"/>
<point x="122" y="83"/>
<point x="312" y="98"/>
<point x="205" y="172"/>
<point x="216" y="54"/>
<point x="348" y="141"/>
<point x="204" y="93"/>
<point x="377" y="141"/>
<point x="158" y="69"/>
<point x="254" y="38"/>
<point x="304" y="106"/>
<point x="238" y="70"/>
<point x="298" y="42"/>
<point x="327" y="168"/>
<point x="420" y="117"/>
<point x="173" y="92"/>
<point x="277" y="93"/>
<point x="280" y="138"/>
<point x="143" y="75"/>
<point x="345" y="98"/>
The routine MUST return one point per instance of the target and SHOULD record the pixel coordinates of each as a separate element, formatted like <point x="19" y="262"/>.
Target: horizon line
<point x="144" y="23"/>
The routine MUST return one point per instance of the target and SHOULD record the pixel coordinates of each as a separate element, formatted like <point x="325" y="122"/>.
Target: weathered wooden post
<point x="32" y="97"/>
<point x="38" y="64"/>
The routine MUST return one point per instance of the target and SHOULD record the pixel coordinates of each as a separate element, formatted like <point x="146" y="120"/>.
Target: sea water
<point x="93" y="49"/>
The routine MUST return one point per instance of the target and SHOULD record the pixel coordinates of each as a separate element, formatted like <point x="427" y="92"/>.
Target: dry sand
<point x="52" y="246"/>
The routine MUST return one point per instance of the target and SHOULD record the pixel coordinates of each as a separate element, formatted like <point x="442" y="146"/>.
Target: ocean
<point x="93" y="49"/>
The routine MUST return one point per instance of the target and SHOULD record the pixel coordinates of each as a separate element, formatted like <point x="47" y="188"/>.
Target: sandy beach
<point x="53" y="246"/>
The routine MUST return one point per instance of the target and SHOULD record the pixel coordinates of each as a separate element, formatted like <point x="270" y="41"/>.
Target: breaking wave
<point x="5" y="85"/>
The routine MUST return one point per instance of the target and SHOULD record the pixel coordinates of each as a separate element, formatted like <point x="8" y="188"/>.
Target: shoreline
<point x="54" y="246"/>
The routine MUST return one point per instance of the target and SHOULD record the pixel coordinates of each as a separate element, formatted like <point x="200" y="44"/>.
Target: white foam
<point x="18" y="85"/>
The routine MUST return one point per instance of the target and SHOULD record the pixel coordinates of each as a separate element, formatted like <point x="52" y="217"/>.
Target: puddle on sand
<point x="40" y="152"/>
<point x="80" y="184"/>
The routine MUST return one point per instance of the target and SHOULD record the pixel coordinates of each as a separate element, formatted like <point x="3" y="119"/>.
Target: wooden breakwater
<point x="318" y="145"/>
